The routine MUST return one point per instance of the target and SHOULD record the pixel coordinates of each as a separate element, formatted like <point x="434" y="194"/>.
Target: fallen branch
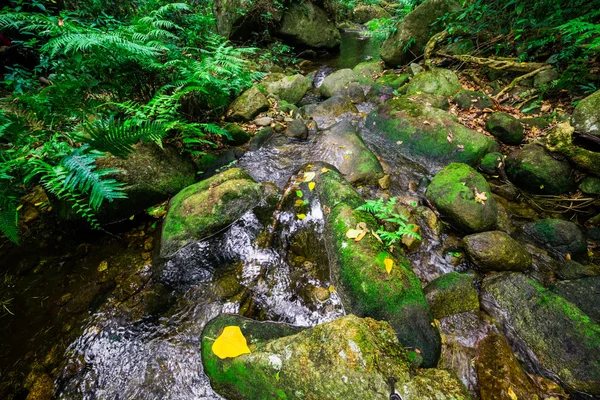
<point x="521" y="78"/>
<point x="501" y="64"/>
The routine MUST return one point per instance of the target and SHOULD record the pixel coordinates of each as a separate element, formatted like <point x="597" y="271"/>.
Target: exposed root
<point x="501" y="64"/>
<point x="430" y="46"/>
<point x="521" y="78"/>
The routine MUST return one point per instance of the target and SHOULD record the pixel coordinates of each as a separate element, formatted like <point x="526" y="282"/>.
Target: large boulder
<point x="349" y="357"/>
<point x="532" y="168"/>
<point x="414" y="31"/>
<point x="251" y="103"/>
<point x="561" y="140"/>
<point x="497" y="251"/>
<point x="451" y="294"/>
<point x="586" y="117"/>
<point x="367" y="71"/>
<point x="289" y="88"/>
<point x="229" y="14"/>
<point x="306" y="24"/>
<point x="549" y="333"/>
<point x="336" y="81"/>
<point x="584" y="293"/>
<point x="365" y="13"/>
<point x="560" y="237"/>
<point x="454" y="192"/>
<point x="237" y="135"/>
<point x="206" y="207"/>
<point x="506" y="128"/>
<point x="439" y="81"/>
<point x="406" y="127"/>
<point x="359" y="270"/>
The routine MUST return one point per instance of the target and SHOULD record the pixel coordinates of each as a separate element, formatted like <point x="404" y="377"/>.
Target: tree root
<point x="521" y="78"/>
<point x="501" y="64"/>
<point x="430" y="46"/>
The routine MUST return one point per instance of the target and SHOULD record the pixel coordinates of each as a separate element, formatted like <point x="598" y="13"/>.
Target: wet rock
<point x="393" y="80"/>
<point x="561" y="140"/>
<point x="336" y="81"/>
<point x="417" y="27"/>
<point x="380" y="93"/>
<point x="308" y="25"/>
<point x="420" y="132"/>
<point x="451" y="294"/>
<point x="506" y="128"/>
<point x="466" y="99"/>
<point x="358" y="269"/>
<point x="590" y="185"/>
<point x="452" y="192"/>
<point x="346" y="358"/>
<point x="261" y="138"/>
<point x="532" y="168"/>
<point x="491" y="162"/>
<point x="251" y="103"/>
<point x="354" y="91"/>
<point x="333" y="107"/>
<point x="501" y="377"/>
<point x="559" y="237"/>
<point x="438" y="81"/>
<point x="497" y="251"/>
<point x="263" y="121"/>
<point x="289" y="88"/>
<point x="362" y="14"/>
<point x="366" y="71"/>
<point x="586" y="117"/>
<point x="570" y="269"/>
<point x="297" y="129"/>
<point x="207" y="207"/>
<point x="210" y="163"/>
<point x="238" y="136"/>
<point x="549" y="332"/>
<point x="584" y="293"/>
<point x="545" y="78"/>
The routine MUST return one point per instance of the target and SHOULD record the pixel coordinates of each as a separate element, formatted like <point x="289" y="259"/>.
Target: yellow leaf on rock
<point x="103" y="266"/>
<point x="331" y="289"/>
<point x="360" y="236"/>
<point x="231" y="343"/>
<point x="324" y="170"/>
<point x="301" y="216"/>
<point x="309" y="176"/>
<point x="299" y="203"/>
<point x="389" y="264"/>
<point x="568" y="256"/>
<point x="311" y="186"/>
<point x="512" y="394"/>
<point x="353" y="233"/>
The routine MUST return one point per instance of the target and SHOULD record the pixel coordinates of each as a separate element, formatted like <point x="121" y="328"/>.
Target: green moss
<point x="393" y="80"/>
<point x="451" y="294"/>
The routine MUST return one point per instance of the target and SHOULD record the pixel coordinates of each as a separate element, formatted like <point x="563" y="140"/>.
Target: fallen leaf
<point x="353" y="233"/>
<point x="311" y="186"/>
<point x="360" y="236"/>
<point x="301" y="216"/>
<point x="324" y="170"/>
<point x="511" y="394"/>
<point x="399" y="142"/>
<point x="376" y="236"/>
<point x="299" y="193"/>
<point x="103" y="266"/>
<point x="568" y="256"/>
<point x="480" y="197"/>
<point x="299" y="203"/>
<point x="426" y="123"/>
<point x="309" y="176"/>
<point x="331" y="289"/>
<point x="389" y="264"/>
<point x="231" y="343"/>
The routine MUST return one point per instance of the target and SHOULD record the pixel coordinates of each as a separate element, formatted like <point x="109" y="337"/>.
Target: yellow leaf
<point x="324" y="170"/>
<point x="480" y="197"/>
<point x="353" y="233"/>
<point x="299" y="203"/>
<point x="301" y="216"/>
<point x="38" y="204"/>
<point x="389" y="264"/>
<point x="360" y="236"/>
<point x="512" y="394"/>
<point x="311" y="186"/>
<point x="331" y="289"/>
<point x="103" y="266"/>
<point x="309" y="176"/>
<point x="568" y="256"/>
<point x="231" y="343"/>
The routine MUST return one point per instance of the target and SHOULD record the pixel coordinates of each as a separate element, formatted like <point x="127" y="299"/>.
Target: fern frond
<point x="9" y="219"/>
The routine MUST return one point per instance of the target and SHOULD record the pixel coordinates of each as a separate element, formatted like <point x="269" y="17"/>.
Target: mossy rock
<point x="437" y="81"/>
<point x="416" y="28"/>
<point x="251" y="103"/>
<point x="491" y="162"/>
<point x="501" y="377"/>
<point x="331" y="108"/>
<point x="368" y="70"/>
<point x="365" y="13"/>
<point x="379" y="93"/>
<point x="559" y="237"/>
<point x="393" y="80"/>
<point x="466" y="99"/>
<point x="451" y="294"/>
<point x="287" y="364"/>
<point x="532" y="168"/>
<point x="506" y="128"/>
<point x="452" y="192"/>
<point x="418" y="131"/>
<point x="289" y="88"/>
<point x="586" y="117"/>
<point x="336" y="81"/>
<point x="546" y="330"/>
<point x="497" y="251"/>
<point x="560" y="140"/>
<point x="306" y="24"/>
<point x="590" y="185"/>
<point x="237" y="136"/>
<point x="354" y="91"/>
<point x="206" y="207"/>
<point x="570" y="269"/>
<point x="459" y="47"/>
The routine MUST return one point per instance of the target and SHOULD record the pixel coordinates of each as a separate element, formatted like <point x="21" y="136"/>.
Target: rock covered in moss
<point x="584" y="293"/>
<point x="365" y="13"/>
<point x="306" y="24"/>
<point x="570" y="269"/>
<point x="438" y="81"/>
<point x="547" y="330"/>
<point x="359" y="270"/>
<point x="497" y="251"/>
<point x="251" y="103"/>
<point x="206" y="207"/>
<point x="561" y="140"/>
<point x="532" y="168"/>
<point x="559" y="237"/>
<point x="451" y="294"/>
<point x="368" y="70"/>
<point x="586" y="117"/>
<point x="237" y="136"/>
<point x="336" y="81"/>
<point x="501" y="377"/>
<point x="406" y="127"/>
<point x="453" y="191"/>
<point x="466" y="99"/>
<point x="393" y="80"/>
<point x="590" y="185"/>
<point x="379" y="93"/>
<point x="346" y="358"/>
<point x="506" y="128"/>
<point x="414" y="31"/>
<point x="491" y="162"/>
<point x="289" y="88"/>
<point x="545" y="78"/>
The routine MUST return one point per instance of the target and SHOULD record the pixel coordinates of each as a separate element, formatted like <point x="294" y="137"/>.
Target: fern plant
<point x="383" y="210"/>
